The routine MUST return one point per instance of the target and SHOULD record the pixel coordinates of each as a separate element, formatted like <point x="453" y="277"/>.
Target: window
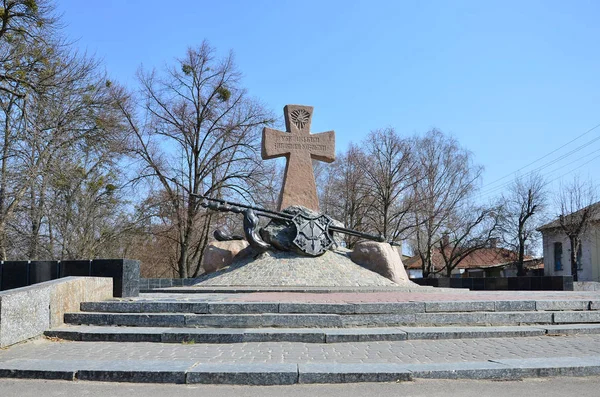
<point x="579" y="264"/>
<point x="557" y="256"/>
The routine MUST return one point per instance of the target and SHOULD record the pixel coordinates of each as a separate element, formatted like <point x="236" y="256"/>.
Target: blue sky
<point x="511" y="80"/>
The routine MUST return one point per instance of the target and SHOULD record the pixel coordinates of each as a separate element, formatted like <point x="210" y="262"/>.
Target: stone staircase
<point x="286" y="338"/>
<point x="192" y="320"/>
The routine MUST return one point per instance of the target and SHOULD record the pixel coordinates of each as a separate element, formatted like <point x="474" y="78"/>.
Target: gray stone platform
<point x="287" y="363"/>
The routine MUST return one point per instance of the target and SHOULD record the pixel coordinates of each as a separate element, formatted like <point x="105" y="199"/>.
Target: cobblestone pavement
<point x="375" y="297"/>
<point x="408" y="352"/>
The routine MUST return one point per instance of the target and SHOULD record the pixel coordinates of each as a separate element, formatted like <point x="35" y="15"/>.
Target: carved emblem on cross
<point x="299" y="147"/>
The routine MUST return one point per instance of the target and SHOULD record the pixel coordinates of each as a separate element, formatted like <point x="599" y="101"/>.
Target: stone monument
<point x="299" y="147"/>
<point x="297" y="246"/>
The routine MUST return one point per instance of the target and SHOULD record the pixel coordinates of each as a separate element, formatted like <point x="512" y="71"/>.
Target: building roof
<point x="555" y="224"/>
<point x="483" y="258"/>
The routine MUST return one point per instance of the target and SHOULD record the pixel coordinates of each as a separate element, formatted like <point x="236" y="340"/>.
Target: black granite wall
<point x="124" y="272"/>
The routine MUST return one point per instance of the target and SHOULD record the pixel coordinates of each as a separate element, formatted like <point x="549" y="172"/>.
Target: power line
<point x="548" y="154"/>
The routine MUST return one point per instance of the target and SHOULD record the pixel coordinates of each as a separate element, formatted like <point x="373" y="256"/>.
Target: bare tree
<point x="523" y="205"/>
<point x="388" y="165"/>
<point x="468" y="230"/>
<point x="446" y="178"/>
<point x="344" y="193"/>
<point x="198" y="135"/>
<point x="578" y="209"/>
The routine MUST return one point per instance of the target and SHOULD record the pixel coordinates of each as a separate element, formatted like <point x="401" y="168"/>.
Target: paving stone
<point x="577" y="317"/>
<point x="244" y="374"/>
<point x="465" y="306"/>
<point x="391" y="308"/>
<point x="471" y="332"/>
<point x="514" y="306"/>
<point x="562" y="305"/>
<point x="350" y="373"/>
<point x="242" y="308"/>
<point x="333" y="308"/>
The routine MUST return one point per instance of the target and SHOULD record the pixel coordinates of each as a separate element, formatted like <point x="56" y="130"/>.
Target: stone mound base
<point x="332" y="269"/>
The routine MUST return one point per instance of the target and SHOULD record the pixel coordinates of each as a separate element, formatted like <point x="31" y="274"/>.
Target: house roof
<point x="556" y="223"/>
<point x="483" y="258"/>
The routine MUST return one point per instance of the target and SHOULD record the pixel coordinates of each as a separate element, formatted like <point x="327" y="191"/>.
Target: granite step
<point x="320" y="320"/>
<point x="86" y="333"/>
<point x="204" y="307"/>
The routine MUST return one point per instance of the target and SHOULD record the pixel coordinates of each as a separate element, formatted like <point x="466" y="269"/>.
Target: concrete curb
<point x="285" y="374"/>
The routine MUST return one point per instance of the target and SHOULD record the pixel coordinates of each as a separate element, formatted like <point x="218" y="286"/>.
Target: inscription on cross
<point x="300" y="147"/>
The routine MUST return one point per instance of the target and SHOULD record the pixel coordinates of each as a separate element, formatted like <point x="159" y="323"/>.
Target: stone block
<point x="24" y="314"/>
<point x="203" y="336"/>
<point x="458" y="306"/>
<point x="556" y="366"/>
<point x="112" y="307"/>
<point x="351" y="373"/>
<point x="138" y="371"/>
<point x="146" y="320"/>
<point x="377" y="320"/>
<point x="284" y="335"/>
<point x="577" y="317"/>
<point x="241" y="308"/>
<point x="124" y="272"/>
<point x="174" y="307"/>
<point x="67" y="294"/>
<point x="27" y="312"/>
<point x="38" y="369"/>
<point x="15" y="274"/>
<point x="390" y="308"/>
<point x="514" y="306"/>
<point x="572" y="329"/>
<point x="432" y="333"/>
<point x="467" y="370"/>
<point x="562" y="305"/>
<point x="244" y="374"/>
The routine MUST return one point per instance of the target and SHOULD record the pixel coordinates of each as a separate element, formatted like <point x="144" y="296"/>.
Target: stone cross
<point x="300" y="147"/>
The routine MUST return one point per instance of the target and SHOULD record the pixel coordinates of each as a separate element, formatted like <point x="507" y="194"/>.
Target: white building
<point x="557" y="252"/>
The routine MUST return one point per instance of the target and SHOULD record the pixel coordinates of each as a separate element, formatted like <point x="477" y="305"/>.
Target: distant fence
<point x="535" y="283"/>
<point x="124" y="272"/>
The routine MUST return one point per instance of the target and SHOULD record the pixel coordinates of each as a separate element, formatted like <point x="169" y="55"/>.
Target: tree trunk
<point x="574" y="247"/>
<point x="520" y="268"/>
